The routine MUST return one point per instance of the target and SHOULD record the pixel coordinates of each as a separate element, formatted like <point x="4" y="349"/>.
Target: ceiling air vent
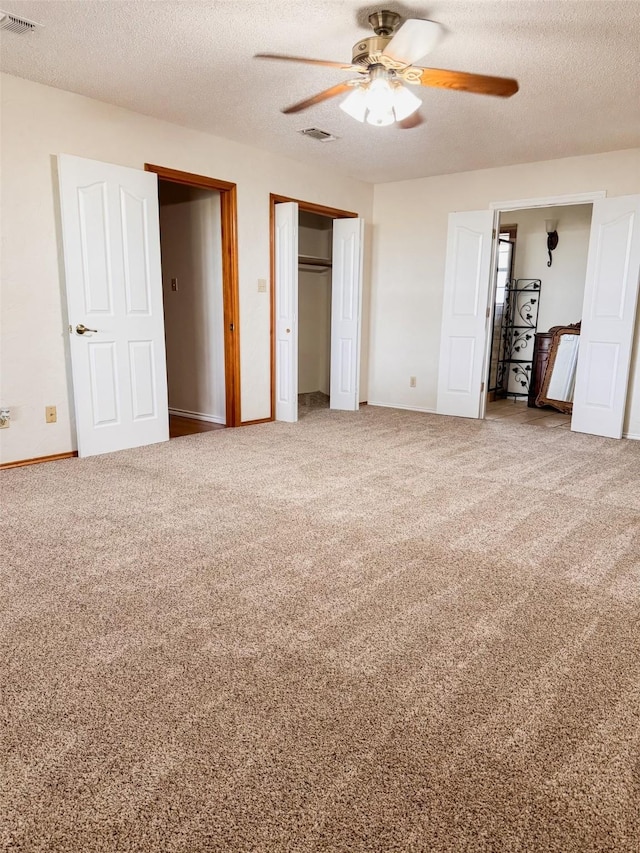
<point x="14" y="24"/>
<point x="320" y="135"/>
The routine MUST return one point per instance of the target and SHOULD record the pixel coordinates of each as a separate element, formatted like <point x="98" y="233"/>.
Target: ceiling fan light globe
<point x="380" y="118"/>
<point x="379" y="96"/>
<point x="355" y="104"/>
<point x="405" y="103"/>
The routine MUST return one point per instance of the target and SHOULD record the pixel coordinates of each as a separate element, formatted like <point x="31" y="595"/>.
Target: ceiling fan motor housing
<point x="365" y="48"/>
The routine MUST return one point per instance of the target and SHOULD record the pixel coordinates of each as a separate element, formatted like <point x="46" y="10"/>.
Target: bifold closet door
<point x="286" y="311"/>
<point x="346" y="310"/>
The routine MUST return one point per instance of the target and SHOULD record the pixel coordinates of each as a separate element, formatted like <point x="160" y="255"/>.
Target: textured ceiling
<point x="191" y="63"/>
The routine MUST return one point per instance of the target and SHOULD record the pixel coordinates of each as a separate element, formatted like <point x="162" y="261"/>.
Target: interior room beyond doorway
<point x="315" y="237"/>
<point x="519" y="412"/>
<point x="191" y="247"/>
<point x="532" y="298"/>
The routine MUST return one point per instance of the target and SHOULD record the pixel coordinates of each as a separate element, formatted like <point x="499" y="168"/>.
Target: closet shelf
<point x="315" y="263"/>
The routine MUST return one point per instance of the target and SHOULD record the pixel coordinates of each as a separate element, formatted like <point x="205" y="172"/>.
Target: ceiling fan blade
<point x="414" y="39"/>
<point x="304" y="60"/>
<point x="339" y="89"/>
<point x="414" y="120"/>
<point x="480" y="84"/>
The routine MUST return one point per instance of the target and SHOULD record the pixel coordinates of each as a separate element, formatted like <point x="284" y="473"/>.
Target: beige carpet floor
<point x="374" y="631"/>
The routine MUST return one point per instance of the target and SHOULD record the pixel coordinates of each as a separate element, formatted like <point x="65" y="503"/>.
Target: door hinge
<point x="482" y="388"/>
<point x="232" y="327"/>
<point x="488" y="313"/>
<point x="494" y="233"/>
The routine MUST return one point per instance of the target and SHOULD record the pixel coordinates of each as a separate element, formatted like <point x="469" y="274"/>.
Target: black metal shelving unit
<point x="517" y="336"/>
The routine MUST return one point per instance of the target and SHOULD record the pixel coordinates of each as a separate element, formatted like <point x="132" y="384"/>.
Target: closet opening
<point x="316" y="305"/>
<point x="315" y="239"/>
<point x="531" y="302"/>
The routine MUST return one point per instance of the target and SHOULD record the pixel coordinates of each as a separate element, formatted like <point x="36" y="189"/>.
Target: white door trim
<point x="547" y="201"/>
<point x="493" y="283"/>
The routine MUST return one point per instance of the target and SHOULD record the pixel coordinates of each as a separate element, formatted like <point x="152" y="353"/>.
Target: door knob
<point x="287" y="330"/>
<point x="80" y="329"/>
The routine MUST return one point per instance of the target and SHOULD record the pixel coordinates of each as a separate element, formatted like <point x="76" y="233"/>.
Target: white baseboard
<point x="406" y="408"/>
<point x="634" y="436"/>
<point x="197" y="416"/>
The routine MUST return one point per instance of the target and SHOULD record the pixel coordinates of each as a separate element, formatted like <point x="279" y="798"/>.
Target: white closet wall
<point x="314" y="330"/>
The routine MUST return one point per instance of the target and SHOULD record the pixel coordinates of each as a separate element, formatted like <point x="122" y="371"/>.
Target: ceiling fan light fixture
<point x="355" y="104"/>
<point x="380" y="102"/>
<point x="405" y="103"/>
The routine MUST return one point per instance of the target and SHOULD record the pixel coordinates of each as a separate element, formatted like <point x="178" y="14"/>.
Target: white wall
<point x="562" y="289"/>
<point x="39" y="122"/>
<point x="191" y="241"/>
<point x="314" y="235"/>
<point x="410" y="229"/>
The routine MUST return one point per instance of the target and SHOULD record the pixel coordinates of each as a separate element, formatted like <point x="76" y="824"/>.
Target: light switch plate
<point x="262" y="285"/>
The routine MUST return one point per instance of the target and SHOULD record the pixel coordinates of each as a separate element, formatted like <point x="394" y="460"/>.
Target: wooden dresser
<point x="540" y="358"/>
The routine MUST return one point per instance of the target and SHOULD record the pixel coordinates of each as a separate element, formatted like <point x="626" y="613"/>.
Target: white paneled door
<point x="346" y="310"/>
<point x="464" y="313"/>
<point x="114" y="299"/>
<point x="286" y="288"/>
<point x="608" y="318"/>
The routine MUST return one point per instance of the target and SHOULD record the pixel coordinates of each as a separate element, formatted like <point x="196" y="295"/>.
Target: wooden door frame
<point x="308" y="207"/>
<point x="229" y="217"/>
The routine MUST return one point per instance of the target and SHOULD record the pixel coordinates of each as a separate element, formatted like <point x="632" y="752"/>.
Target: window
<point x="506" y="244"/>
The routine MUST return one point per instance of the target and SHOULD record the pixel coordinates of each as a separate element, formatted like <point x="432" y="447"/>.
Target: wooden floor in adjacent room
<point x="517" y="412"/>
<point x="179" y="426"/>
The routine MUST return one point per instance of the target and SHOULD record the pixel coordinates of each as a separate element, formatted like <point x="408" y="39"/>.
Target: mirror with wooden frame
<point x="560" y="375"/>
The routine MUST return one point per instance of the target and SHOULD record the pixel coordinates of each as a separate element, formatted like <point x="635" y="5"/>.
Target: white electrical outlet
<point x="412" y="382"/>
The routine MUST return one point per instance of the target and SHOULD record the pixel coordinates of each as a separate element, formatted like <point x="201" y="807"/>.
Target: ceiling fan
<point x="384" y="63"/>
